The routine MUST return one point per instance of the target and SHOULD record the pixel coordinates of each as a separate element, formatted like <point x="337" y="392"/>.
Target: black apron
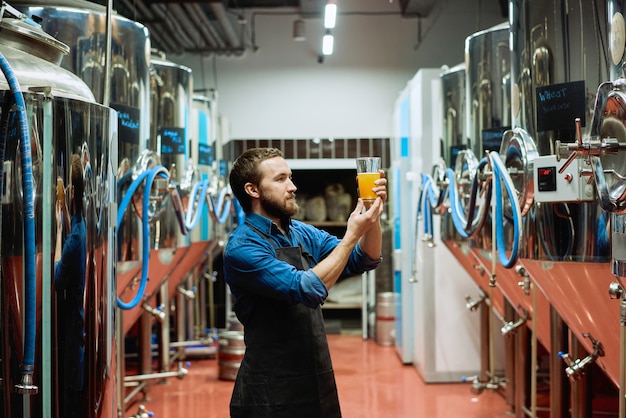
<point x="286" y="371"/>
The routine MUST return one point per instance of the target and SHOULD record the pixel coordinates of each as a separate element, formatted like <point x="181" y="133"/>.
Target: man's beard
<point x="282" y="210"/>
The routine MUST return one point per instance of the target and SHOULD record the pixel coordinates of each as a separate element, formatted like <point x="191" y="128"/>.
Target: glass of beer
<point x="367" y="173"/>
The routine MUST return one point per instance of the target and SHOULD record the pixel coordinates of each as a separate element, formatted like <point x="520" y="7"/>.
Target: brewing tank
<point x="171" y="107"/>
<point x="557" y="66"/>
<point x="73" y="149"/>
<point x="559" y="59"/>
<point x="82" y="25"/>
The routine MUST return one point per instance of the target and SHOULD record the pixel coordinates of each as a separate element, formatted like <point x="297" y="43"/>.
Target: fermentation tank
<point x="67" y="314"/>
<point x="82" y="25"/>
<point x="558" y="62"/>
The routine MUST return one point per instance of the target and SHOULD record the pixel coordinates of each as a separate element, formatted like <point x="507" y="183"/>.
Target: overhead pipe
<point x="197" y="15"/>
<point x="157" y="33"/>
<point x="172" y="24"/>
<point x="186" y="25"/>
<point x="220" y="14"/>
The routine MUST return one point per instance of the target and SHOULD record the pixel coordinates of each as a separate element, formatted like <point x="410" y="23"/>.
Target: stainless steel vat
<point x="75" y="341"/>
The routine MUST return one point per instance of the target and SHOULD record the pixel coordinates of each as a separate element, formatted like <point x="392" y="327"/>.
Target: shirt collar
<point x="265" y="225"/>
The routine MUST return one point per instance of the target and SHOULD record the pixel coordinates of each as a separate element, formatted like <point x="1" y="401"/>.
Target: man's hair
<point x="77" y="183"/>
<point x="246" y="170"/>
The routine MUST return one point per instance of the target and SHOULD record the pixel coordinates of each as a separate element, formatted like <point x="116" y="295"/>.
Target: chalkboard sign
<point x="205" y="154"/>
<point x="128" y="123"/>
<point x="172" y="140"/>
<point x="558" y="106"/>
<point x="492" y="138"/>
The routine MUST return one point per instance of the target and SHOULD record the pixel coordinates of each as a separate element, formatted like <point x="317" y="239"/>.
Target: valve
<point x="615" y="290"/>
<point x="511" y="326"/>
<point x="473" y="303"/>
<point x="525" y="283"/>
<point x="26" y="385"/>
<point x="576" y="368"/>
<point x="188" y="293"/>
<point x="157" y="312"/>
<point x="429" y="240"/>
<point x="142" y="412"/>
<point x="494" y="383"/>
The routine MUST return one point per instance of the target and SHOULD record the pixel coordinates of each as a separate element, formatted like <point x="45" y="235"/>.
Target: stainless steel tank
<point x="82" y="25"/>
<point x="172" y="93"/>
<point x="454" y="130"/>
<point x="558" y="62"/>
<point x="488" y="92"/>
<point x="74" y="146"/>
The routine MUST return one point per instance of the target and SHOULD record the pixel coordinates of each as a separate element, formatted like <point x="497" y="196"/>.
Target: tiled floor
<point x="372" y="383"/>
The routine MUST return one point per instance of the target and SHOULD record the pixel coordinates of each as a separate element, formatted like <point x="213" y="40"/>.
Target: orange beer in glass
<point x="367" y="173"/>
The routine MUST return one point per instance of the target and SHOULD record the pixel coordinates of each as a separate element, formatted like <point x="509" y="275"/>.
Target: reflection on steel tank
<point x="82" y="26"/>
<point x="62" y="119"/>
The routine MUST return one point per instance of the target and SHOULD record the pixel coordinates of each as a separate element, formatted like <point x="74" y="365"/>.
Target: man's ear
<point x="251" y="189"/>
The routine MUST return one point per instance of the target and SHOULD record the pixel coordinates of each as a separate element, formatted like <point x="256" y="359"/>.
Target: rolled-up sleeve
<point x="250" y="266"/>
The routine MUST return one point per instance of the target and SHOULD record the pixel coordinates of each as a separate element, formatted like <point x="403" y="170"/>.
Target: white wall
<point x="281" y="91"/>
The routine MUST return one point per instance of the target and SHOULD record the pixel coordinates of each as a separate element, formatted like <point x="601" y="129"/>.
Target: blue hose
<point x="500" y="174"/>
<point x="30" y="303"/>
<point x="149" y="176"/>
<point x="191" y="223"/>
<point x="428" y="201"/>
<point x="241" y="214"/>
<point x="456" y="208"/>
<point x="222" y="203"/>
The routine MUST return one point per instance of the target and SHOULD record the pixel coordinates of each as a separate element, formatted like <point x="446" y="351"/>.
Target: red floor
<point x="372" y="383"/>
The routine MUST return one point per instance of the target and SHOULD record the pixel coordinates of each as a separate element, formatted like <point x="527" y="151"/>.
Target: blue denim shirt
<point x="251" y="267"/>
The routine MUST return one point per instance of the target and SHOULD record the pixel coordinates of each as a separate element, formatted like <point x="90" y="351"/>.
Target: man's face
<point x="277" y="191"/>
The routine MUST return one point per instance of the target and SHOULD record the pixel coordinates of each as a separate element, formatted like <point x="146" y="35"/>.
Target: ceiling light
<point x="330" y="14"/>
<point x="327" y="44"/>
<point x="299" y="32"/>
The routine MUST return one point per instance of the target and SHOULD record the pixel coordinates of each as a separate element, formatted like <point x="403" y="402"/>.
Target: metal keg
<point x="385" y="318"/>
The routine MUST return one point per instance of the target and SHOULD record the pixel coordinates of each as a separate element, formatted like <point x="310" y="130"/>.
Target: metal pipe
<point x="186" y="24"/>
<point x="131" y="394"/>
<point x="199" y="18"/>
<point x="558" y="382"/>
<point x="533" y="355"/>
<point x="164" y="353"/>
<point x="106" y="96"/>
<point x="180" y="373"/>
<point x="220" y="14"/>
<point x="521" y="362"/>
<point x="622" y="356"/>
<point x="184" y="40"/>
<point x="121" y="365"/>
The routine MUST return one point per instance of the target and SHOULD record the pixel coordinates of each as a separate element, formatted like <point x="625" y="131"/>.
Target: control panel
<point x="556" y="183"/>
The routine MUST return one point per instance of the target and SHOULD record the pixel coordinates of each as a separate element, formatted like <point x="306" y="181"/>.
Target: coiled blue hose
<point x="501" y="175"/>
<point x="428" y="201"/>
<point x="192" y="219"/>
<point x="149" y="176"/>
<point x="456" y="208"/>
<point x="241" y="214"/>
<point x="463" y="224"/>
<point x="222" y="203"/>
<point x="30" y="303"/>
